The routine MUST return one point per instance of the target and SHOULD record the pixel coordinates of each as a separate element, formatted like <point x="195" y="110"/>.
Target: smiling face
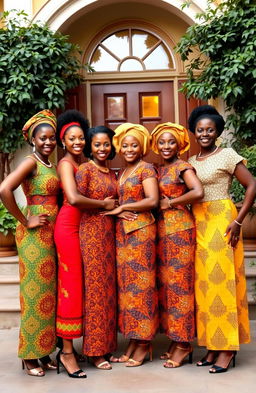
<point x="131" y="149"/>
<point x="206" y="133"/>
<point x="100" y="147"/>
<point x="44" y="141"/>
<point x="167" y="146"/>
<point x="74" y="140"/>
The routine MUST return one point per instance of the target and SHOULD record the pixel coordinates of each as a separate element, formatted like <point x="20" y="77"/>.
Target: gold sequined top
<point x="216" y="173"/>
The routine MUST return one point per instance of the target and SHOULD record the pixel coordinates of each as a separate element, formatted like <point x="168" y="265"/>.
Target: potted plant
<point x="7" y="230"/>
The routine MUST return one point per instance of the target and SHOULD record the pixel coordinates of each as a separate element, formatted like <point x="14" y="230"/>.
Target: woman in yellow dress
<point x="220" y="287"/>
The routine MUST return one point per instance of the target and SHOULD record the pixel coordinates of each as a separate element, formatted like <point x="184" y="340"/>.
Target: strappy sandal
<point x="170" y="363"/>
<point x="48" y="363"/>
<point x="167" y="355"/>
<point x="33" y="372"/>
<point x="76" y="374"/>
<point x="130" y="349"/>
<point x="204" y="362"/>
<point x="136" y="363"/>
<point x="105" y="365"/>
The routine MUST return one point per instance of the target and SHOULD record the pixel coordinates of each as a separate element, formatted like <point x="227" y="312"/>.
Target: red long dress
<point x="175" y="258"/>
<point x="70" y="271"/>
<point x="136" y="262"/>
<point x="97" y="240"/>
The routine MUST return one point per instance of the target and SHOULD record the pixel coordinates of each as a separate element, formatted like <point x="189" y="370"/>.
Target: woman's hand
<point x="113" y="212"/>
<point x="129" y="216"/>
<point x="164" y="203"/>
<point x="37" y="221"/>
<point x="234" y="231"/>
<point x="110" y="203"/>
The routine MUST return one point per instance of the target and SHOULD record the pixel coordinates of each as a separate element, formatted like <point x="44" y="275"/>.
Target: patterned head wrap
<point x="136" y="130"/>
<point x="179" y="132"/>
<point x="45" y="116"/>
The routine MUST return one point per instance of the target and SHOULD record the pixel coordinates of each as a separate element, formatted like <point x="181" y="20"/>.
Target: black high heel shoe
<point x="217" y="369"/>
<point x="76" y="374"/>
<point x="204" y="362"/>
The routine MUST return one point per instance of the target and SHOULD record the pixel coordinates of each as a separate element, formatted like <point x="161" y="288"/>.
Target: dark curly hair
<point x="98" y="130"/>
<point x="206" y="112"/>
<point x="70" y="116"/>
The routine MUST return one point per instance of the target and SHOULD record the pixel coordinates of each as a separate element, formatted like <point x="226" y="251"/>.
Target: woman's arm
<point x="194" y="194"/>
<point x="10" y="183"/>
<point x="150" y="187"/>
<point x="67" y="177"/>
<point x="249" y="183"/>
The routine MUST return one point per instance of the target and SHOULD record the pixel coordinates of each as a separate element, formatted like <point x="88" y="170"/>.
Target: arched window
<point x="131" y="50"/>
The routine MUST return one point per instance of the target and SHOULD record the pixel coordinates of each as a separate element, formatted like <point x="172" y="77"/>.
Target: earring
<point x="34" y="148"/>
<point x="64" y="146"/>
<point x="219" y="141"/>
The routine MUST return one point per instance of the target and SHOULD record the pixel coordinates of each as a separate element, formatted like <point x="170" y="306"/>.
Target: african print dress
<point x="37" y="261"/>
<point x="175" y="258"/>
<point x="220" y="285"/>
<point x="97" y="241"/>
<point x="136" y="265"/>
<point x="69" y="317"/>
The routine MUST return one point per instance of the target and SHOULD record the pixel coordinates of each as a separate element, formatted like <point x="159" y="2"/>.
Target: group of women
<point x="133" y="250"/>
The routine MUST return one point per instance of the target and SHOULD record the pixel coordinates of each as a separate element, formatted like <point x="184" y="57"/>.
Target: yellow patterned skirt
<point x="220" y="285"/>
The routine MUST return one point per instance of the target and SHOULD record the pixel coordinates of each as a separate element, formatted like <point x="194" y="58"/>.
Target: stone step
<point x="9" y="287"/>
<point x="9" y="265"/>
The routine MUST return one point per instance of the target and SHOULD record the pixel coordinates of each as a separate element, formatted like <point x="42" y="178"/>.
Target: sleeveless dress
<point x="97" y="242"/>
<point x="175" y="258"/>
<point x="69" y="319"/>
<point x="37" y="266"/>
<point x="136" y="262"/>
<point x="220" y="285"/>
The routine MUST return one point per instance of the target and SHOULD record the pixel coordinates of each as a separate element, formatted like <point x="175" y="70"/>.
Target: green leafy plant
<point x="7" y="221"/>
<point x="220" y="52"/>
<point x="37" y="66"/>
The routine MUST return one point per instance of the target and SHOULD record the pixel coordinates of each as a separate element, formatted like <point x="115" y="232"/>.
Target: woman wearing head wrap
<point x="34" y="238"/>
<point x="178" y="187"/>
<point x="97" y="183"/>
<point x="135" y="241"/>
<point x="220" y="286"/>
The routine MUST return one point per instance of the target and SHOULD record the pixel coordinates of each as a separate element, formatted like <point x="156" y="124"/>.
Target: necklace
<point x="129" y="175"/>
<point x="42" y="162"/>
<point x="101" y="168"/>
<point x="207" y="155"/>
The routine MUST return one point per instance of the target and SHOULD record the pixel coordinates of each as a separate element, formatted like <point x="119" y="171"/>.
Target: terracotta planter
<point x="7" y="245"/>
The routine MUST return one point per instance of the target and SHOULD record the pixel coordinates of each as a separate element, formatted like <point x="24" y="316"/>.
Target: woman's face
<point x="74" y="140"/>
<point x="101" y="147"/>
<point x="167" y="146"/>
<point x="131" y="149"/>
<point x="206" y="133"/>
<point x="44" y="140"/>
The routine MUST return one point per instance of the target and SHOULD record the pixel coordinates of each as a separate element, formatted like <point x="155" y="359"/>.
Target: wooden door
<point x="140" y="103"/>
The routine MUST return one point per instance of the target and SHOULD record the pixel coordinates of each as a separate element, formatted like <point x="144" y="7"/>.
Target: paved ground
<point x="149" y="378"/>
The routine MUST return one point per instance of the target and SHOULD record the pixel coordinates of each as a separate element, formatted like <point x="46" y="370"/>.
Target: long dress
<point x="220" y="285"/>
<point x="97" y="242"/>
<point x="37" y="268"/>
<point x="69" y="317"/>
<point x="136" y="265"/>
<point x="175" y="258"/>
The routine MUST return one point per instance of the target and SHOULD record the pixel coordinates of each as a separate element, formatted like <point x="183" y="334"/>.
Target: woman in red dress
<point x="71" y="130"/>
<point x="179" y="186"/>
<point x="135" y="242"/>
<point x="97" y="242"/>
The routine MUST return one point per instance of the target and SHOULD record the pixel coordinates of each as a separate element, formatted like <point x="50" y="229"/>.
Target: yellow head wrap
<point x="136" y="130"/>
<point x="178" y="131"/>
<point x="45" y="116"/>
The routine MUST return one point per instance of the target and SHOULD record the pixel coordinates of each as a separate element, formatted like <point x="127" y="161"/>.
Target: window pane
<point x="103" y="61"/>
<point x="150" y="106"/>
<point x="118" y="43"/>
<point x="131" y="65"/>
<point x="142" y="42"/>
<point x="115" y="107"/>
<point x="159" y="59"/>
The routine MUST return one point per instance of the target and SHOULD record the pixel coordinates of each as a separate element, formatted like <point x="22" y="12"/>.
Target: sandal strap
<point x="78" y="372"/>
<point x="173" y="363"/>
<point x="105" y="363"/>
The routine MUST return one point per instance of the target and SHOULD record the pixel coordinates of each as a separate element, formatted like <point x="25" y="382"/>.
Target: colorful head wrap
<point x="45" y="116"/>
<point x="136" y="130"/>
<point x="178" y="131"/>
<point x="66" y="126"/>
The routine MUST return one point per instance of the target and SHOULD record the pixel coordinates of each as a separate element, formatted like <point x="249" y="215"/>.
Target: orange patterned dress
<point x="136" y="268"/>
<point x="175" y="258"/>
<point x="97" y="241"/>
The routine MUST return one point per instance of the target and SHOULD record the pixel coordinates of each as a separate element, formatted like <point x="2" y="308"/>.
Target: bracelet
<point x="238" y="223"/>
